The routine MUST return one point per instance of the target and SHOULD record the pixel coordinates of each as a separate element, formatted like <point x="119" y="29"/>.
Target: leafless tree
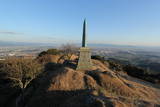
<point x="21" y="70"/>
<point x="68" y="50"/>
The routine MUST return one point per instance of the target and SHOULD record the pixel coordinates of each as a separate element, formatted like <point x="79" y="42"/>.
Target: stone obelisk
<point x="84" y="62"/>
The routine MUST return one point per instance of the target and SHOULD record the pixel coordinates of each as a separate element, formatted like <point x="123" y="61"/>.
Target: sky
<point x="124" y="22"/>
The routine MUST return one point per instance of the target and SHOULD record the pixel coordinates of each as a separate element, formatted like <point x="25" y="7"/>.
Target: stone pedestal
<point x="84" y="62"/>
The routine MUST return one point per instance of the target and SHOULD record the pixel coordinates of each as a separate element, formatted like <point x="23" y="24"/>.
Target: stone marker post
<point x="84" y="62"/>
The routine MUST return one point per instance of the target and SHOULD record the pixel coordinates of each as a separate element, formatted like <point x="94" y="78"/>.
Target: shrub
<point x="142" y="74"/>
<point x="135" y="71"/>
<point x="53" y="51"/>
<point x="50" y="52"/>
<point x="98" y="57"/>
<point x="42" y="53"/>
<point x="51" y="66"/>
<point x="22" y="70"/>
<point x="115" y="66"/>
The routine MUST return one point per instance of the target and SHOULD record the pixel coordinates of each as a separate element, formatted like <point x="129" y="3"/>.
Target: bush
<point x="115" y="66"/>
<point x="42" y="53"/>
<point x="22" y="70"/>
<point x="97" y="57"/>
<point x="142" y="74"/>
<point x="50" y="52"/>
<point x="135" y="71"/>
<point x="51" y="66"/>
<point x="15" y="75"/>
<point x="53" y="51"/>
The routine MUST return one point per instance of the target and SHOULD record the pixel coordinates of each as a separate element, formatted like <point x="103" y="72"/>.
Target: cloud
<point x="10" y="32"/>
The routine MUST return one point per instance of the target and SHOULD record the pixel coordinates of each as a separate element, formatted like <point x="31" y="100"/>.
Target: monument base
<point x="84" y="62"/>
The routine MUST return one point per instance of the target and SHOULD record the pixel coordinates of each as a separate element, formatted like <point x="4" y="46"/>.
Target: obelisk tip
<point x="84" y="34"/>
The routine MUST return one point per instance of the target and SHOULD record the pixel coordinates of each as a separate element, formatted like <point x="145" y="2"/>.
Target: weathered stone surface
<point x="84" y="62"/>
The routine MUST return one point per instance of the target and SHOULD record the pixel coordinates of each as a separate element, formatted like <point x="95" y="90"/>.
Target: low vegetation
<point x="142" y="74"/>
<point x="138" y="72"/>
<point x="65" y="52"/>
<point x="22" y="70"/>
<point x="16" y="74"/>
<point x="134" y="71"/>
<point x="98" y="57"/>
<point x="50" y="51"/>
<point x="21" y="82"/>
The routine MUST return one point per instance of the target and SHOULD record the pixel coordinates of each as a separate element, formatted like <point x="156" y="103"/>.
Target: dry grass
<point x="66" y="87"/>
<point x="71" y="80"/>
<point x="116" y="85"/>
<point x="48" y="58"/>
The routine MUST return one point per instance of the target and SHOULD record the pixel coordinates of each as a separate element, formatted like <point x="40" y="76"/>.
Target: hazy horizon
<point x="124" y="22"/>
<point x="96" y="45"/>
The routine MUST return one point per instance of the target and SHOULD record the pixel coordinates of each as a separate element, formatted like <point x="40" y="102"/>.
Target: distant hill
<point x="11" y="43"/>
<point x="93" y="45"/>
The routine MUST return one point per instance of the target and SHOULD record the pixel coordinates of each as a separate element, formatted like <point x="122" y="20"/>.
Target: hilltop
<point x="60" y="85"/>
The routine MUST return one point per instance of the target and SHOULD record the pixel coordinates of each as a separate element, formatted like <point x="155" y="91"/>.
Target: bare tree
<point x="20" y="70"/>
<point x="68" y="50"/>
